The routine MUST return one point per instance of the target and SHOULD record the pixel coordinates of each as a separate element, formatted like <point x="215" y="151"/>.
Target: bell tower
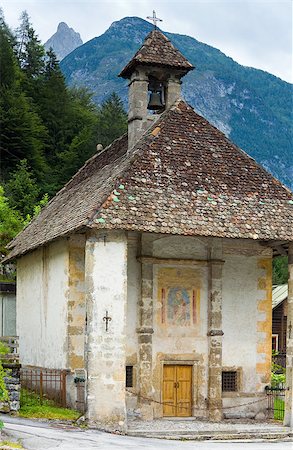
<point x="154" y="75"/>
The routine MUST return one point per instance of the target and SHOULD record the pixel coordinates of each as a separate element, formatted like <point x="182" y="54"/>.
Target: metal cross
<point x="107" y="319"/>
<point x="154" y="19"/>
<point x="290" y="330"/>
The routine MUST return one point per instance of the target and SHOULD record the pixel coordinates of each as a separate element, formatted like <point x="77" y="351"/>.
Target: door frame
<point x="194" y="378"/>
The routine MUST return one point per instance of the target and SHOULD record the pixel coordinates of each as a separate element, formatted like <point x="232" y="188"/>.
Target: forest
<point x="48" y="130"/>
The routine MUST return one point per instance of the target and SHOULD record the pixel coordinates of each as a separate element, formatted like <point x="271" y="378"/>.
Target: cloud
<point x="256" y="33"/>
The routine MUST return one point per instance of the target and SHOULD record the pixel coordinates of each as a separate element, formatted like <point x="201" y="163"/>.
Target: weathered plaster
<point x="145" y="331"/>
<point x="288" y="419"/>
<point x="215" y="331"/>
<point x="264" y="323"/>
<point x="106" y="290"/>
<point x="76" y="302"/>
<point x="42" y="282"/>
<point x="246" y="324"/>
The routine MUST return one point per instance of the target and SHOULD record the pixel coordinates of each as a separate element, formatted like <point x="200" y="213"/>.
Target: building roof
<point x="159" y="51"/>
<point x="182" y="177"/>
<point x="280" y="293"/>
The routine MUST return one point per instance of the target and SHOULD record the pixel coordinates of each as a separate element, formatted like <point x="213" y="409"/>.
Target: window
<point x="229" y="381"/>
<point x="129" y="376"/>
<point x="275" y="342"/>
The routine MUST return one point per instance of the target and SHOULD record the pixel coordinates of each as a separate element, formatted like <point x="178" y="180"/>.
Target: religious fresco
<point x="179" y="296"/>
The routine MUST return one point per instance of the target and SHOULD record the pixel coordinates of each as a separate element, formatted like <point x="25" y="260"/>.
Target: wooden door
<point x="177" y="391"/>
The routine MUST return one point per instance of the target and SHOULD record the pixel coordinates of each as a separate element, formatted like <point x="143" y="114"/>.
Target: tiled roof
<point x="157" y="50"/>
<point x="182" y="177"/>
<point x="280" y="293"/>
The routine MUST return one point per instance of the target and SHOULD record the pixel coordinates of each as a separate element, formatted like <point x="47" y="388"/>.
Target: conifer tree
<point x="22" y="132"/>
<point x="112" y="120"/>
<point x="22" y="189"/>
<point x="30" y="51"/>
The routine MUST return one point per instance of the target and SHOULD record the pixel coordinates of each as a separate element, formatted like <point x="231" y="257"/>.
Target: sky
<point x="256" y="33"/>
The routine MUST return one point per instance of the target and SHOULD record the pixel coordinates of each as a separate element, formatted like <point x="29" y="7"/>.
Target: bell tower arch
<point x="154" y="75"/>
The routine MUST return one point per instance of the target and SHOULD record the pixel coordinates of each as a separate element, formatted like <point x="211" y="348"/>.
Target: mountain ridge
<point x="251" y="106"/>
<point x="64" y="41"/>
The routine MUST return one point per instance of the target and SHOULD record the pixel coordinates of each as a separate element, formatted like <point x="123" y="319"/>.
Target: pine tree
<point x="30" y="51"/>
<point x="22" y="132"/>
<point x="112" y="120"/>
<point x="53" y="103"/>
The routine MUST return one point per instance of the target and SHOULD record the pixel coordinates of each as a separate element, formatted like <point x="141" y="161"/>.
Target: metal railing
<point x="39" y="384"/>
<point x="276" y="402"/>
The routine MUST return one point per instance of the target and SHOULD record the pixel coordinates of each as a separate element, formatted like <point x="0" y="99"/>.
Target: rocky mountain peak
<point x="64" y="41"/>
<point x="62" y="26"/>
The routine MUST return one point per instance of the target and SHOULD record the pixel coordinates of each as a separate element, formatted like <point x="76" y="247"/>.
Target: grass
<point x="279" y="409"/>
<point x="10" y="444"/>
<point x="31" y="407"/>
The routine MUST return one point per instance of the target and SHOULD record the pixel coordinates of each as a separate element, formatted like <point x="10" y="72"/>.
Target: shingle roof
<point x="280" y="293"/>
<point x="182" y="177"/>
<point x="157" y="50"/>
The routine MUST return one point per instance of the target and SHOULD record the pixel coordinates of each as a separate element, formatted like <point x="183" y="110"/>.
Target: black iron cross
<point x="107" y="319"/>
<point x="290" y="330"/>
<point x="154" y="19"/>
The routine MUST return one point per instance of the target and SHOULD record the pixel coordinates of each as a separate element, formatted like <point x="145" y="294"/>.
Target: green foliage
<point x="112" y="120"/>
<point x="11" y="222"/>
<point x="22" y="189"/>
<point x="278" y="373"/>
<point x="31" y="406"/>
<point x="37" y="209"/>
<point x="30" y="51"/>
<point x="279" y="409"/>
<point x="47" y="130"/>
<point x="3" y="373"/>
<point x="280" y="270"/>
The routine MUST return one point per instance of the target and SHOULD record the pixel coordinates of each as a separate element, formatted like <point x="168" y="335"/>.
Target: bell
<point x="155" y="102"/>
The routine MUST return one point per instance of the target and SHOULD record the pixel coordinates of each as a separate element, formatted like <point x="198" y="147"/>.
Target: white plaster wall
<point x="42" y="281"/>
<point x="240" y="296"/>
<point x="133" y="296"/>
<point x="106" y="290"/>
<point x="184" y="247"/>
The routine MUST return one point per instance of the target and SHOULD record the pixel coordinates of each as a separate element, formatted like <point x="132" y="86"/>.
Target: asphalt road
<point x="42" y="436"/>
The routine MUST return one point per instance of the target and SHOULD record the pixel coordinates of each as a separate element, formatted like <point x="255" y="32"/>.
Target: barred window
<point x="129" y="376"/>
<point x="229" y="381"/>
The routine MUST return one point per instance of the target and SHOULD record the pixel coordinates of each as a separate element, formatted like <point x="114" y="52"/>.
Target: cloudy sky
<point x="255" y="33"/>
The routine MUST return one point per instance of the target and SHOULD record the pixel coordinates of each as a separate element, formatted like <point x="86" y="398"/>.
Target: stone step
<point x="216" y="435"/>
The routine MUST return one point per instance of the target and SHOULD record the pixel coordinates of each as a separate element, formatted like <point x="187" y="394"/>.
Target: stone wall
<point x="238" y="327"/>
<point x="12" y="382"/>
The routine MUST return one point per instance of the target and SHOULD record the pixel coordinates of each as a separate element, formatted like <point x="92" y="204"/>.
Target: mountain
<point x="64" y="41"/>
<point x="252" y="107"/>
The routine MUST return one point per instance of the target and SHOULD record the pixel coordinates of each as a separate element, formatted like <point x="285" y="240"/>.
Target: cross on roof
<point x="154" y="18"/>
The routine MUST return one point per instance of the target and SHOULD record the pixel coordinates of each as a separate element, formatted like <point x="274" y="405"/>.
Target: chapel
<point x="150" y="272"/>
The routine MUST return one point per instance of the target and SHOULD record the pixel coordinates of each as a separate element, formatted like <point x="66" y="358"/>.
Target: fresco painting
<point x="179" y="295"/>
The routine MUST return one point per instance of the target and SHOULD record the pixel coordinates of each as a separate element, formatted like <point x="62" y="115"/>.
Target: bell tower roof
<point x="159" y="51"/>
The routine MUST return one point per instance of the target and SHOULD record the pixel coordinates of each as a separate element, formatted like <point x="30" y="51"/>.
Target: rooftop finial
<point x="154" y="19"/>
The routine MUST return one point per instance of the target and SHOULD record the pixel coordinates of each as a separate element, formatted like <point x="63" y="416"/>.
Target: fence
<point x="276" y="402"/>
<point x="39" y="384"/>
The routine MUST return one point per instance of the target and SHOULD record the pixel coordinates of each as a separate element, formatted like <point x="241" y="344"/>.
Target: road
<point x="43" y="436"/>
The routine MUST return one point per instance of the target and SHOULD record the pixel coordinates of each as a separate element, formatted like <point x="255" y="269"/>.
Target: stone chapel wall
<point x="180" y="318"/>
<point x="42" y="283"/>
